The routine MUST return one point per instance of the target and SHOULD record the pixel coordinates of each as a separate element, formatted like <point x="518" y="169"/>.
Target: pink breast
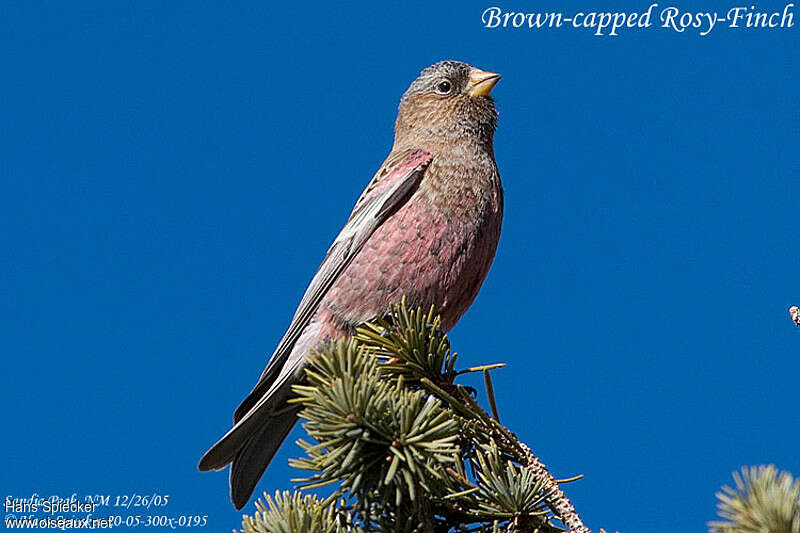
<point x="420" y="253"/>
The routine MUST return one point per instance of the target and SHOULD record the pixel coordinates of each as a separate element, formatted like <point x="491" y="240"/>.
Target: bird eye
<point x="444" y="87"/>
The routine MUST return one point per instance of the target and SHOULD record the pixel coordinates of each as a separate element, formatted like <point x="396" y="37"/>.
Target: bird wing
<point x="390" y="188"/>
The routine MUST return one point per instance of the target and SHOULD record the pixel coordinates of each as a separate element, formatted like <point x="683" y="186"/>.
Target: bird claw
<point x="437" y="329"/>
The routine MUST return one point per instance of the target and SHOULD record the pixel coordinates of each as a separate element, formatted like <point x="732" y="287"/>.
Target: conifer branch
<point x="763" y="501"/>
<point x="406" y="448"/>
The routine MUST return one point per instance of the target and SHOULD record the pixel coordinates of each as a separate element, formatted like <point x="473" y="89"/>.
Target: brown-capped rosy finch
<point x="426" y="227"/>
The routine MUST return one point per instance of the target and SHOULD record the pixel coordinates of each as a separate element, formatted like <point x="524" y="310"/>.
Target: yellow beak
<point x="481" y="82"/>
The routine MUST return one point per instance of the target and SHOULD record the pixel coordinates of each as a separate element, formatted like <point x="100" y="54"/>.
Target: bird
<point x="425" y="228"/>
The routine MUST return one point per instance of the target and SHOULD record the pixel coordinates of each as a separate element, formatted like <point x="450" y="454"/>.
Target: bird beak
<point x="481" y="83"/>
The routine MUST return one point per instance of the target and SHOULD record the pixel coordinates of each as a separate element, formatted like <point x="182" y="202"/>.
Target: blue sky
<point x="173" y="173"/>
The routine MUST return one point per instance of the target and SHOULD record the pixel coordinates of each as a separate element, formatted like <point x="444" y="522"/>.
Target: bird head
<point x="448" y="100"/>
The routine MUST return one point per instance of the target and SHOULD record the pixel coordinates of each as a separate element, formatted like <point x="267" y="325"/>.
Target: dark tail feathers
<point x="254" y="457"/>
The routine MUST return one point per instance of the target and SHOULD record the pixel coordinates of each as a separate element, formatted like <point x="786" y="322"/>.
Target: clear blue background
<point x="172" y="174"/>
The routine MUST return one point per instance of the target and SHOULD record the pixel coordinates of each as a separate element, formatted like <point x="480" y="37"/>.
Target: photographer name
<point x="49" y="506"/>
<point x="671" y="18"/>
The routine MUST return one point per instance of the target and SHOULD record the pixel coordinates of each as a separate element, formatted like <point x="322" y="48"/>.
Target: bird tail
<point x="262" y="423"/>
<point x="264" y="419"/>
<point x="256" y="454"/>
